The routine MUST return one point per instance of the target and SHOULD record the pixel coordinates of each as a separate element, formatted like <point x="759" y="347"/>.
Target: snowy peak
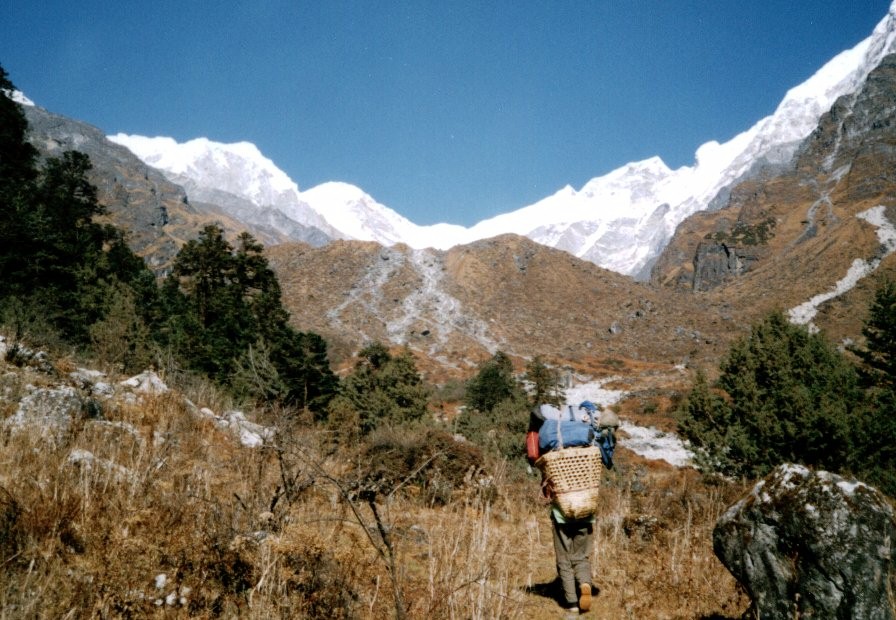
<point x="212" y="171"/>
<point x="20" y="98"/>
<point x="239" y="168"/>
<point x="621" y="220"/>
<point x="355" y="213"/>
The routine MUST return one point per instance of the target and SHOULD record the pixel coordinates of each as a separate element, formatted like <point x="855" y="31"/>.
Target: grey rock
<point x="147" y="382"/>
<point x="810" y="544"/>
<point x="716" y="262"/>
<point x="49" y="411"/>
<point x="93" y="382"/>
<point x="90" y="463"/>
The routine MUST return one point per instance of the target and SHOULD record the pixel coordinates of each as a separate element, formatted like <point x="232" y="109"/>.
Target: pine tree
<point x="492" y="384"/>
<point x="785" y="396"/>
<point x="17" y="155"/>
<point x="301" y="359"/>
<point x="225" y="319"/>
<point x="874" y="457"/>
<point x="546" y="383"/>
<point x="879" y="352"/>
<point x="205" y="300"/>
<point x="18" y="172"/>
<point x="385" y="388"/>
<point x="55" y="260"/>
<point x="497" y="410"/>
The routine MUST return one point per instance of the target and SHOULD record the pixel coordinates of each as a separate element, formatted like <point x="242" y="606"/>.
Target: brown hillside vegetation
<point x="796" y="232"/>
<point x="508" y="293"/>
<point x="188" y="523"/>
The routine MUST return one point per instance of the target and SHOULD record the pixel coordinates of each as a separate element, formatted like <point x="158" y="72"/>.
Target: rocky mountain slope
<point x="239" y="181"/>
<point x="819" y="226"/>
<point x="506" y="293"/>
<point x="158" y="214"/>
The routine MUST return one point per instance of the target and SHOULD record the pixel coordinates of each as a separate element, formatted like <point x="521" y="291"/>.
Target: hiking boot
<point x="571" y="613"/>
<point x="584" y="597"/>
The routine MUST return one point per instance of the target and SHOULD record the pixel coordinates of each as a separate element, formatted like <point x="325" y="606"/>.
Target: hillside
<point x="787" y="237"/>
<point x="505" y="293"/>
<point x="124" y="497"/>
<point x="168" y="502"/>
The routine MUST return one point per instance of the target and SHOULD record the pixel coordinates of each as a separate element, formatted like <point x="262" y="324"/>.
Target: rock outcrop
<point x="716" y="261"/>
<point x="810" y="544"/>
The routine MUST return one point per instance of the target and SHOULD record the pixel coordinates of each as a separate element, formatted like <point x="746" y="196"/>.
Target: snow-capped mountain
<point x="621" y="220"/>
<point x="231" y="174"/>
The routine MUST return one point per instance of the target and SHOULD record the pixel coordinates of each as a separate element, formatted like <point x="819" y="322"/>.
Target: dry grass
<point x="174" y="519"/>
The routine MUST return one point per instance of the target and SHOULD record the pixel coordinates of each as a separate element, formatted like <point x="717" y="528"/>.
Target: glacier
<point x="621" y="220"/>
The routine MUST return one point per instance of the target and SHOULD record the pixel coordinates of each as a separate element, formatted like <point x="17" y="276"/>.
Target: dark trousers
<point x="573" y="542"/>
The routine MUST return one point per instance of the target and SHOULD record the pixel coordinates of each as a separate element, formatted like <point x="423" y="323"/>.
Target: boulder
<point x="811" y="544"/>
<point x="250" y="434"/>
<point x="47" y="412"/>
<point x="717" y="262"/>
<point x="147" y="382"/>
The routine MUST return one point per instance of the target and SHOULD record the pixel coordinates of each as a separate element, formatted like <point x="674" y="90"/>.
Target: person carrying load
<point x="570" y="445"/>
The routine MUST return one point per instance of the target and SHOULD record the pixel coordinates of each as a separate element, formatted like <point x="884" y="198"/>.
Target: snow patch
<point x="886" y="233"/>
<point x="647" y="442"/>
<point x="595" y="392"/>
<point x="20" y="98"/>
<point x="656" y="445"/>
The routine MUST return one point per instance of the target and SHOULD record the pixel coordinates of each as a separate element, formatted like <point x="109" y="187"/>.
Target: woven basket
<point x="574" y="478"/>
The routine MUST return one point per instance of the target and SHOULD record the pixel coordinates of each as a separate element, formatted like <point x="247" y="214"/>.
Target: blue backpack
<point x="564" y="428"/>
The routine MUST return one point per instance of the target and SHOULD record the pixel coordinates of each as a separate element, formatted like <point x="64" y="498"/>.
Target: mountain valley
<point x="255" y="470"/>
<point x="785" y="233"/>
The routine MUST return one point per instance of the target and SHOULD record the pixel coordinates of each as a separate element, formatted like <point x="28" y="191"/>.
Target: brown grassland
<point x="192" y="524"/>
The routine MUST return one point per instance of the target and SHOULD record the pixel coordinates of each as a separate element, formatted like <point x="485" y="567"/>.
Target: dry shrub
<point x="469" y="572"/>
<point x="314" y="575"/>
<point x="173" y="518"/>
<point x="12" y="531"/>
<point x="653" y="549"/>
<point x="430" y="459"/>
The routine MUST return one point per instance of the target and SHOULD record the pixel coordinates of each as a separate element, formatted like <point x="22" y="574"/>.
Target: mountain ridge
<point x="781" y="238"/>
<point x="621" y="220"/>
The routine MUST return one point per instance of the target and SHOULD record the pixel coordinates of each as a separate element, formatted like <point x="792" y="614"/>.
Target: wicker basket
<point x="574" y="477"/>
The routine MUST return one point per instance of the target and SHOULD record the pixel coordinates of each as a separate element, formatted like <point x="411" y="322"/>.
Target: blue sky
<point x="444" y="111"/>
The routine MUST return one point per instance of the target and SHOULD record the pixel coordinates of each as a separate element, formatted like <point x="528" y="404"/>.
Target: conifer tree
<point x="879" y="352"/>
<point x="875" y="455"/>
<point x="17" y="174"/>
<point x="785" y="395"/>
<point x="492" y="384"/>
<point x="546" y="384"/>
<point x="55" y="260"/>
<point x="225" y="319"/>
<point x="17" y="155"/>
<point x="385" y="388"/>
<point x="497" y="411"/>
